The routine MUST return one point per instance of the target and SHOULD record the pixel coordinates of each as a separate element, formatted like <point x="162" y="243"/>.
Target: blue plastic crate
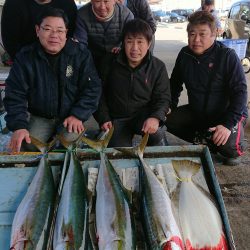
<point x="239" y="45"/>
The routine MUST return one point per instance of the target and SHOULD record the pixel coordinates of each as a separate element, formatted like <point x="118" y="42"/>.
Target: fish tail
<point x="143" y="144"/>
<point x="188" y="167"/>
<point x="138" y="150"/>
<point x="41" y="146"/>
<point x="69" y="144"/>
<point x="100" y="144"/>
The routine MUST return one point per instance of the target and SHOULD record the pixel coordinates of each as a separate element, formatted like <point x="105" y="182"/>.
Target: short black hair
<point x="138" y="26"/>
<point x="201" y="17"/>
<point x="52" y="12"/>
<point x="209" y="2"/>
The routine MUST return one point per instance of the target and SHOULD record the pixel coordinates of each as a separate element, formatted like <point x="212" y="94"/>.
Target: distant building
<point x="187" y="4"/>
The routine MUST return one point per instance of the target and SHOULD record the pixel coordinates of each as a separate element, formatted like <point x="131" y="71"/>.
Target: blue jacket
<point x="227" y="100"/>
<point x="33" y="86"/>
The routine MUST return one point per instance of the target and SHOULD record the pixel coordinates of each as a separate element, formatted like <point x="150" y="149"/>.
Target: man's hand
<point x="73" y="124"/>
<point x="220" y="135"/>
<point x="17" y="138"/>
<point x="151" y="125"/>
<point x="106" y="126"/>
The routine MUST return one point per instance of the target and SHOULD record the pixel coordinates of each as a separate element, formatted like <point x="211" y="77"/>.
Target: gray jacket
<point x="101" y="37"/>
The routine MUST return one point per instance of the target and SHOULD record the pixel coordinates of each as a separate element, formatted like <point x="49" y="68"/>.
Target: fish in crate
<point x="161" y="229"/>
<point x="32" y="220"/>
<point x="114" y="221"/>
<point x="200" y="220"/>
<point x="71" y="225"/>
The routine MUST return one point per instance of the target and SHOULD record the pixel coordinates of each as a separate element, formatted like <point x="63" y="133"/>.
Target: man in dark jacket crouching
<point x="216" y="88"/>
<point x="136" y="94"/>
<point x="53" y="83"/>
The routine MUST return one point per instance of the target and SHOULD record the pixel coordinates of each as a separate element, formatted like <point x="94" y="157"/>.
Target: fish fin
<point x="138" y="150"/>
<point x="143" y="144"/>
<point x="206" y="193"/>
<point x="41" y="146"/>
<point x="70" y="144"/>
<point x="188" y="165"/>
<point x="52" y="143"/>
<point x="108" y="137"/>
<point x="101" y="144"/>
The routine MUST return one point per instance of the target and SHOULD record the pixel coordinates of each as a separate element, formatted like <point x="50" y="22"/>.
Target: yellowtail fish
<point x="161" y="229"/>
<point x="71" y="226"/>
<point x="114" y="223"/>
<point x="199" y="218"/>
<point x="31" y="224"/>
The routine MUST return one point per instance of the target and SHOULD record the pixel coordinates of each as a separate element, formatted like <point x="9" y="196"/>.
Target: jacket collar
<point x="69" y="48"/>
<point x="122" y="59"/>
<point x="203" y="56"/>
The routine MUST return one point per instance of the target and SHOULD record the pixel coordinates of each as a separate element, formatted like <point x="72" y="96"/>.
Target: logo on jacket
<point x="210" y="65"/>
<point x="69" y="71"/>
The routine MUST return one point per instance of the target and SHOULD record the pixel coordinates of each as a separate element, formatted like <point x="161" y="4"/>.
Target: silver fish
<point x="71" y="226"/>
<point x="115" y="225"/>
<point x="30" y="227"/>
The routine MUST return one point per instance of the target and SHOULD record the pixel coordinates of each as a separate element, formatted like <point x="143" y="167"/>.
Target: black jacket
<point x="19" y="19"/>
<point x="141" y="9"/>
<point x="33" y="86"/>
<point x="227" y="97"/>
<point x="128" y="91"/>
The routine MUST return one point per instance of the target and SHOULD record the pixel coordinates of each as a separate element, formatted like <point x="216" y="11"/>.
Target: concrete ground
<point x="234" y="180"/>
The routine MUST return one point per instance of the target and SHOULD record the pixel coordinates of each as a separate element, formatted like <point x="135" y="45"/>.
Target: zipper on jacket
<point x="192" y="57"/>
<point x="130" y="89"/>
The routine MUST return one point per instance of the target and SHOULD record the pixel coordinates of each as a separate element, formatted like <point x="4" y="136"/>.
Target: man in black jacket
<point x="52" y="84"/>
<point x="136" y="93"/>
<point x="140" y="9"/>
<point x="216" y="88"/>
<point x="19" y="19"/>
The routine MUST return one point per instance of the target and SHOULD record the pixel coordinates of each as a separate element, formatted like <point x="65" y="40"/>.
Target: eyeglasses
<point x="49" y="30"/>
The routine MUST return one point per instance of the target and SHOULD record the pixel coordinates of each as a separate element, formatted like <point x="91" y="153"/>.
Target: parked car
<point x="237" y="24"/>
<point x="166" y="16"/>
<point x="174" y="17"/>
<point x="161" y="16"/>
<point x="183" y="12"/>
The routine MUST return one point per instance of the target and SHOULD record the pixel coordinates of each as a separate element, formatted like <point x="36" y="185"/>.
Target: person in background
<point x="53" y="85"/>
<point x="19" y="19"/>
<point x="208" y="6"/>
<point x="99" y="26"/>
<point x="216" y="88"/>
<point x="140" y="9"/>
<point x="136" y="93"/>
